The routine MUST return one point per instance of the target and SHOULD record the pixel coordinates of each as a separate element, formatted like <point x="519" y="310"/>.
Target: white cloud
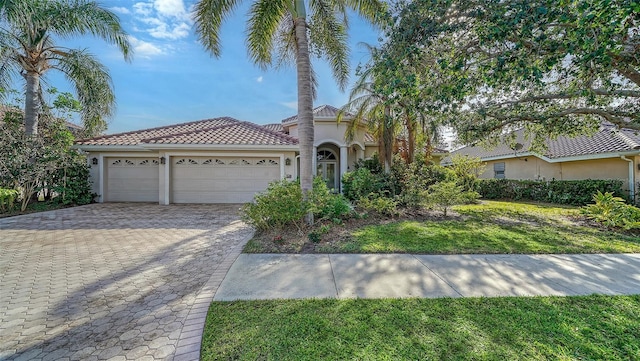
<point x="120" y="10"/>
<point x="260" y="78"/>
<point x="144" y="9"/>
<point x="165" y="19"/>
<point x="165" y="31"/>
<point x="291" y="105"/>
<point x="143" y="48"/>
<point x="171" y="8"/>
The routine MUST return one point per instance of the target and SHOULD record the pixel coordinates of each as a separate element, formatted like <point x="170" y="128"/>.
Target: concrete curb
<point x="190" y="339"/>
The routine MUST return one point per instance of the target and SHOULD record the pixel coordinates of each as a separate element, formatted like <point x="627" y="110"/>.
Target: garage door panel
<point x="132" y="179"/>
<point x="221" y="179"/>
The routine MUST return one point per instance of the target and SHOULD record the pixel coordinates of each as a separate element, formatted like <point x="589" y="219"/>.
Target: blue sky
<point x="172" y="79"/>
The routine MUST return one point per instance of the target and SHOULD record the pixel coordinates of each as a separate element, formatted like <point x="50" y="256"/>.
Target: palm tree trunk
<point x="387" y="138"/>
<point x="32" y="103"/>
<point x="411" y="135"/>
<point x="305" y="105"/>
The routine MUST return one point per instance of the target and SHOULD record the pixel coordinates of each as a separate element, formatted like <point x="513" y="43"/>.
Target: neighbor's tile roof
<point x="239" y="133"/>
<point x="325" y="111"/>
<point x="222" y="130"/>
<point x="606" y="140"/>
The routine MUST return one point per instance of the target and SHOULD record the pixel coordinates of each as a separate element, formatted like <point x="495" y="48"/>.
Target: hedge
<point x="574" y="192"/>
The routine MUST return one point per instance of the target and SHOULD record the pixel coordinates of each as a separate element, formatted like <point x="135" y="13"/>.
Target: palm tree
<point x="283" y="28"/>
<point x="372" y="108"/>
<point x="28" y="30"/>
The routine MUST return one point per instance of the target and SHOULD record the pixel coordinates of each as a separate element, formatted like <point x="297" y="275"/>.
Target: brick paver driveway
<point x="113" y="281"/>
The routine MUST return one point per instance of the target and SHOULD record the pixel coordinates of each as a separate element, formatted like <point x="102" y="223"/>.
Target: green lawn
<point x="539" y="328"/>
<point x="491" y="227"/>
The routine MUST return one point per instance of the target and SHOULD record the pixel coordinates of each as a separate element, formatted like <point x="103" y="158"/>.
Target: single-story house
<point x="610" y="153"/>
<point x="220" y="160"/>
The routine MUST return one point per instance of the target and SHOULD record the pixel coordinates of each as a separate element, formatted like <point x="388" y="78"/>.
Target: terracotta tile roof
<point x="323" y="111"/>
<point x="606" y="140"/>
<point x="139" y="136"/>
<point x="238" y="133"/>
<point x="276" y="127"/>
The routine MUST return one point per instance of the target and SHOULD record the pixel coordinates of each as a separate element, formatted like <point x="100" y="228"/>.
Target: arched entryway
<point x="327" y="167"/>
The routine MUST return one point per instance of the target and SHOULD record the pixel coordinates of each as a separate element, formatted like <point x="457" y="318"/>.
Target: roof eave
<point x="109" y="148"/>
<point x="220" y="146"/>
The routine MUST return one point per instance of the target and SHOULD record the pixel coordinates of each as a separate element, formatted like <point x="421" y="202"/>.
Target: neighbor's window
<point x="498" y="170"/>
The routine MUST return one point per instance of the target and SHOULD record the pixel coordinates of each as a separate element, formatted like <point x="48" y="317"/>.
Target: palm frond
<point x="263" y="24"/>
<point x="68" y="18"/>
<point x="209" y="16"/>
<point x="328" y="36"/>
<point x="285" y="42"/>
<point x="93" y="87"/>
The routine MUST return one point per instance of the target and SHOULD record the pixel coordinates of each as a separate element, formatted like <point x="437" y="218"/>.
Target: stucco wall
<point x="537" y="169"/>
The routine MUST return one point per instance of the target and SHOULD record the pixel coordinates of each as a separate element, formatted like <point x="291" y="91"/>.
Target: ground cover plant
<point x="488" y="227"/>
<point x="538" y="328"/>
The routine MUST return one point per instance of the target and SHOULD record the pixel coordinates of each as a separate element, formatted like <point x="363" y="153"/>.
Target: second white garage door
<point x="221" y="179"/>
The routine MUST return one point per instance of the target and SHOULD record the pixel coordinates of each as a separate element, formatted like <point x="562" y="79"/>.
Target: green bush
<point x="280" y="205"/>
<point x="361" y="182"/>
<point x="326" y="205"/>
<point x="445" y="194"/>
<point x="72" y="184"/>
<point x="382" y="205"/>
<point x="411" y="180"/>
<point x="575" y="192"/>
<point x="7" y="199"/>
<point x="612" y="211"/>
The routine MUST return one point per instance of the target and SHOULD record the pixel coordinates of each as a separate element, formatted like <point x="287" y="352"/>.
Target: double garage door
<point x="192" y="179"/>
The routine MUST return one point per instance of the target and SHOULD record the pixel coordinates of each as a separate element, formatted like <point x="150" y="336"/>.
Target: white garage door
<point x="132" y="179"/>
<point x="221" y="179"/>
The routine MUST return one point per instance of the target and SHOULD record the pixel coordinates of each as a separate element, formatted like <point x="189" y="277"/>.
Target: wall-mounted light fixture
<point x="287" y="161"/>
<point x="94" y="161"/>
<point x="163" y="160"/>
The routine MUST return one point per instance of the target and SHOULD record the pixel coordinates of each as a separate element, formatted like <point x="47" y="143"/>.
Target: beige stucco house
<point x="609" y="154"/>
<point x="220" y="160"/>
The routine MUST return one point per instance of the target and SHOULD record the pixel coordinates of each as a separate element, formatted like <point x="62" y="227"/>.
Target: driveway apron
<point x="113" y="281"/>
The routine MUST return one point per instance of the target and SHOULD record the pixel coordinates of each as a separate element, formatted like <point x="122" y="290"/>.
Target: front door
<point x="327" y="170"/>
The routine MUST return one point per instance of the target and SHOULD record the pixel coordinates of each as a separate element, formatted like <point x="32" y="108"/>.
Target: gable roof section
<point x="224" y="130"/>
<point x="606" y="140"/>
<point x="323" y="111"/>
<point x="139" y="136"/>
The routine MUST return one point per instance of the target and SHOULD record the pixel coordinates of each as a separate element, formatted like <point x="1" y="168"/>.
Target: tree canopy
<point x="551" y="66"/>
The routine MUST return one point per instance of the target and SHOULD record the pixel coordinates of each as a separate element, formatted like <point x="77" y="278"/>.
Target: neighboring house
<point x="220" y="160"/>
<point x="609" y="154"/>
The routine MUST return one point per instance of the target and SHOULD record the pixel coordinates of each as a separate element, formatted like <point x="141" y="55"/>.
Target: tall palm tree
<point x="283" y="30"/>
<point x="28" y="33"/>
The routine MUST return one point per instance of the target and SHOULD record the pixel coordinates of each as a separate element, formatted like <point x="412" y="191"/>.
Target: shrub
<point x="278" y="206"/>
<point x="445" y="194"/>
<point x="575" y="192"/>
<point x="72" y="184"/>
<point x="7" y="199"/>
<point x="361" y="182"/>
<point x="327" y="205"/>
<point x="466" y="170"/>
<point x="413" y="179"/>
<point x="612" y="211"/>
<point x="378" y="204"/>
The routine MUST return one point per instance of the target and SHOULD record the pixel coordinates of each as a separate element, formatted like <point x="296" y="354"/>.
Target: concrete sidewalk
<point x="274" y="276"/>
